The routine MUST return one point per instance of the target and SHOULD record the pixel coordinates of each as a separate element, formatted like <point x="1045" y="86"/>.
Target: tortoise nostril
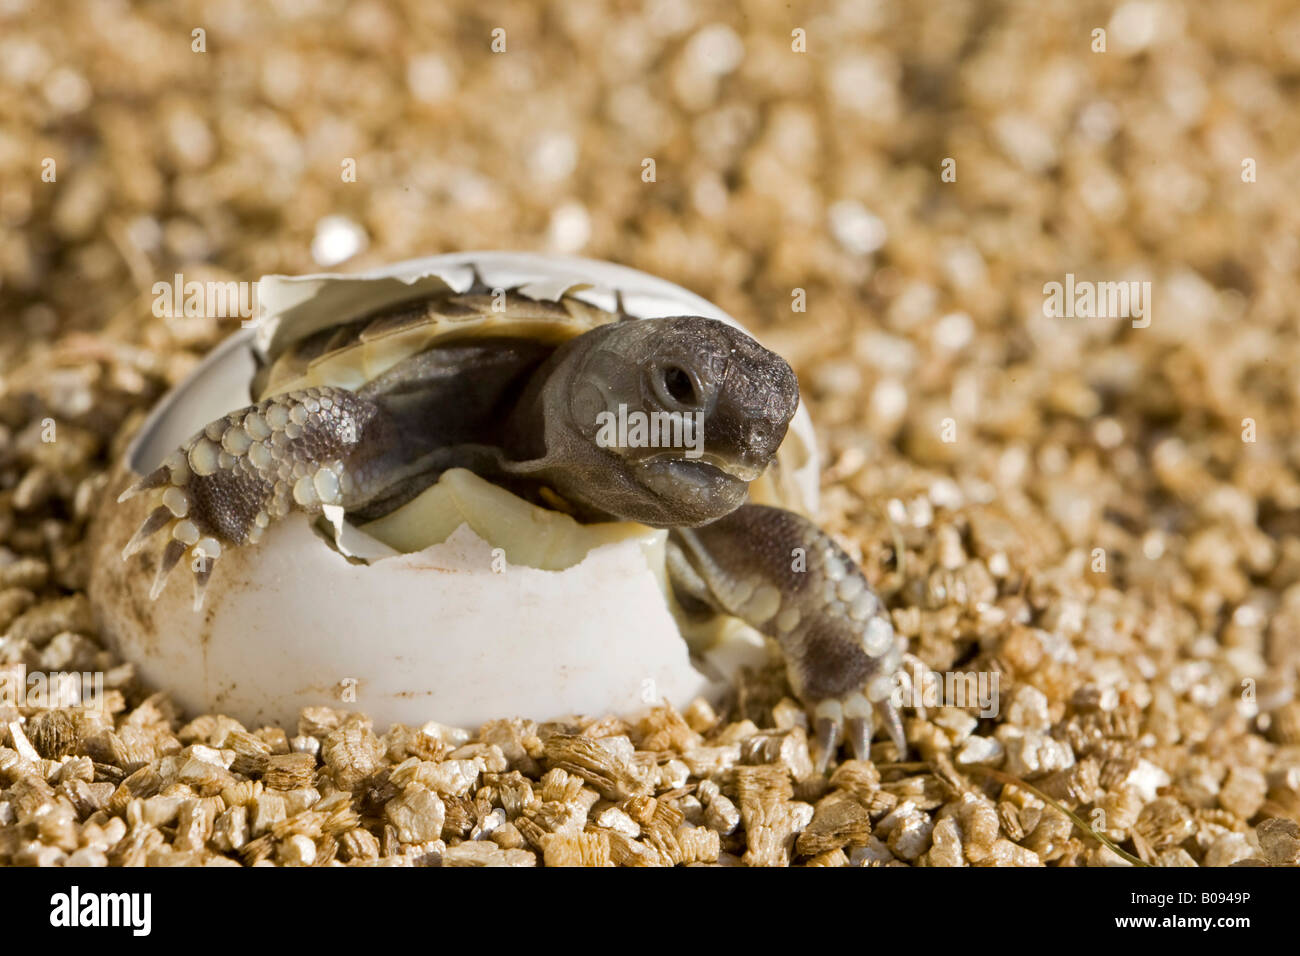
<point x="678" y="384"/>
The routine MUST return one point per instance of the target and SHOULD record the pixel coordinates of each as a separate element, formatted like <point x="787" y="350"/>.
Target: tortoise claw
<point x="171" y="555"/>
<point x="854" y="717"/>
<point x="860" y="730"/>
<point x="202" y="573"/>
<point x="828" y="739"/>
<point x="173" y="514"/>
<point x="203" y="555"/>
<point x="157" y="478"/>
<point x="158" y="518"/>
<point x="893" y="725"/>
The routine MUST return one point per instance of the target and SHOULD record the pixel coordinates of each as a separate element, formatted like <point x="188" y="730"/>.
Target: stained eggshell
<point x="451" y="632"/>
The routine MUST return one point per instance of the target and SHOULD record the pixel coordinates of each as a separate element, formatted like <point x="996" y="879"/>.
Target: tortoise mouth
<point x="691" y="491"/>
<point x="710" y="462"/>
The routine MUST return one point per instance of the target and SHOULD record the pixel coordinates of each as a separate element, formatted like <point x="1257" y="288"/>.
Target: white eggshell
<point x="433" y="635"/>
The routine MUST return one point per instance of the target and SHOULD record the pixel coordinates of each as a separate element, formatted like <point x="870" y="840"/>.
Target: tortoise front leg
<point x="785" y="577"/>
<point x="298" y="451"/>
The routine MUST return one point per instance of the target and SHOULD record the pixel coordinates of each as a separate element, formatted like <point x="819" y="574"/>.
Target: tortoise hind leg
<point x="298" y="451"/>
<point x="784" y="576"/>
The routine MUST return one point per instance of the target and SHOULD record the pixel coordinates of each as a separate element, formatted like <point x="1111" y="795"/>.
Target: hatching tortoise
<point x="366" y="412"/>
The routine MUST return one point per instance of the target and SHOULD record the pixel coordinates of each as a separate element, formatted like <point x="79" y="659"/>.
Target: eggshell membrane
<point x="449" y="632"/>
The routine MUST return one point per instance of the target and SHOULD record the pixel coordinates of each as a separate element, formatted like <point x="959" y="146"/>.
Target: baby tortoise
<point x="366" y="413"/>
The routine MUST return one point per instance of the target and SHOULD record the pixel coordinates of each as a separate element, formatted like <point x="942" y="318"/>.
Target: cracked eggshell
<point x="446" y="633"/>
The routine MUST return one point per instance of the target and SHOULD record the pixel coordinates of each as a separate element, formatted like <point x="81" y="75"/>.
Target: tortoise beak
<point x="698" y="492"/>
<point x="745" y="468"/>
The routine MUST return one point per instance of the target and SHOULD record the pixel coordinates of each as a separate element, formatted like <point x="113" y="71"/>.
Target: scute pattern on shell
<point x="357" y="350"/>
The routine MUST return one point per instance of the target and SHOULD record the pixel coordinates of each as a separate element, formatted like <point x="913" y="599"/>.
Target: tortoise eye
<point x="679" y="385"/>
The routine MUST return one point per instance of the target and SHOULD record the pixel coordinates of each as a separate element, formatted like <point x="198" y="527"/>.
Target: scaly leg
<point x="785" y="577"/>
<point x="298" y="451"/>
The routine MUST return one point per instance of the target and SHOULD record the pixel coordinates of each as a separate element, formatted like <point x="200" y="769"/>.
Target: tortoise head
<point x="663" y="421"/>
